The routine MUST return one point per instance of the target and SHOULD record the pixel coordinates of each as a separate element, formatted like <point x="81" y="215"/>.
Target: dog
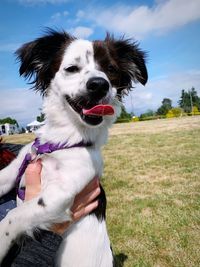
<point x="82" y="83"/>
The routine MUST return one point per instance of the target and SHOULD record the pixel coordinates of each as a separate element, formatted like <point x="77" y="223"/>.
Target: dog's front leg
<point x="51" y="206"/>
<point x="9" y="174"/>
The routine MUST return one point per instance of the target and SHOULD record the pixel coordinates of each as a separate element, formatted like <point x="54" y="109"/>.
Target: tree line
<point x="8" y="120"/>
<point x="188" y="104"/>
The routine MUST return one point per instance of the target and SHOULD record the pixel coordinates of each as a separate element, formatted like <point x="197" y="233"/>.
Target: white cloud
<point x="56" y="16"/>
<point x="59" y="15"/>
<point x="37" y="2"/>
<point x="81" y="32"/>
<point x="65" y="13"/>
<point x="140" y="21"/>
<point x="21" y="104"/>
<point x="169" y="86"/>
<point x="80" y="14"/>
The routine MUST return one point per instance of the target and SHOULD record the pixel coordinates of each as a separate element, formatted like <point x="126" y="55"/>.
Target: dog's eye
<point x="111" y="69"/>
<point x="72" y="69"/>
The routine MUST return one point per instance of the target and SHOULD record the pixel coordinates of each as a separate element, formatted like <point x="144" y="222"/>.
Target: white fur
<point x="90" y="238"/>
<point x="65" y="172"/>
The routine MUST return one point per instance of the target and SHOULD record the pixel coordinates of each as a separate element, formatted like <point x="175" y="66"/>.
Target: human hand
<point x="83" y="204"/>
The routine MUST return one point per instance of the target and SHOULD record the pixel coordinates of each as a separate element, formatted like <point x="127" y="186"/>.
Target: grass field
<point x="152" y="182"/>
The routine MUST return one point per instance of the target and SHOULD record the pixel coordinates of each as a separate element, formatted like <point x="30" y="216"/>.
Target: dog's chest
<point x="77" y="164"/>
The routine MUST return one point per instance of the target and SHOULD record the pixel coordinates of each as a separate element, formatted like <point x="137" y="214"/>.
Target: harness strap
<point x="39" y="149"/>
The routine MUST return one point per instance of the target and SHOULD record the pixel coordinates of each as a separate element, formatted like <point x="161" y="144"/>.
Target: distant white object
<point x="34" y="125"/>
<point x="7" y="129"/>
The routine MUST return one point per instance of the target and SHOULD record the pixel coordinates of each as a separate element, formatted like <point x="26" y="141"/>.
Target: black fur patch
<point x="122" y="61"/>
<point x="100" y="211"/>
<point x="7" y="234"/>
<point x="41" y="202"/>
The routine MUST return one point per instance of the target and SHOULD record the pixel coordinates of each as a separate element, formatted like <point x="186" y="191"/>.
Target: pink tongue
<point x="99" y="110"/>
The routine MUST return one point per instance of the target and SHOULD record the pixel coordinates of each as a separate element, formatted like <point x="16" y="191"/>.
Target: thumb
<point x="32" y="180"/>
<point x="32" y="173"/>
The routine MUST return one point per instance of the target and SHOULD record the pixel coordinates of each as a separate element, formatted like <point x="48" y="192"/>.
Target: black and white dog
<point x="82" y="83"/>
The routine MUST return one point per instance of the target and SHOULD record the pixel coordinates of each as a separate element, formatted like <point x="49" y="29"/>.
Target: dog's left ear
<point x="131" y="60"/>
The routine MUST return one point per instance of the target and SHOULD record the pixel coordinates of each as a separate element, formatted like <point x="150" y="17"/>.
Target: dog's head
<point x="82" y="74"/>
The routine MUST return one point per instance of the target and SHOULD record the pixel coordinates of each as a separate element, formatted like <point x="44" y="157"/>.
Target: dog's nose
<point x="97" y="86"/>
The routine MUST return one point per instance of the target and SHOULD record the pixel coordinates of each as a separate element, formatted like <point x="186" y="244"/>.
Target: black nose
<point x="97" y="86"/>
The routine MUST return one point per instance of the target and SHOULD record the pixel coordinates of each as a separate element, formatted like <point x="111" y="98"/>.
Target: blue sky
<point x="169" y="30"/>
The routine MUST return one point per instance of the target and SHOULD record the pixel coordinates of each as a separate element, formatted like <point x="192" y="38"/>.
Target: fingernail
<point x="98" y="191"/>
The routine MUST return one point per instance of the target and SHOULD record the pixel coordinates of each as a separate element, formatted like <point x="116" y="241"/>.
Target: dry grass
<point x="156" y="126"/>
<point x="152" y="182"/>
<point x="19" y="138"/>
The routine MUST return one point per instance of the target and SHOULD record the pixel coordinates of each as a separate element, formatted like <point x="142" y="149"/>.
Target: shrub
<point x="195" y="111"/>
<point x="174" y="112"/>
<point x="148" y="118"/>
<point x="170" y="114"/>
<point x="135" y="119"/>
<point x="121" y="120"/>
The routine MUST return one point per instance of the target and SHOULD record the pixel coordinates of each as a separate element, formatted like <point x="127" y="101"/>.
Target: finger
<point x="90" y="187"/>
<point x="85" y="210"/>
<point x="85" y="200"/>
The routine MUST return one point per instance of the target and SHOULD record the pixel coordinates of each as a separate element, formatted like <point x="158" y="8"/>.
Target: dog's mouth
<point x="90" y="112"/>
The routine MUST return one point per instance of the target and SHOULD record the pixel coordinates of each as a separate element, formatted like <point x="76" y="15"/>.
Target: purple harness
<point x="39" y="149"/>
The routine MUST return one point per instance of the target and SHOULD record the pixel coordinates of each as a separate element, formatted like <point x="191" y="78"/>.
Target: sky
<point x="168" y="30"/>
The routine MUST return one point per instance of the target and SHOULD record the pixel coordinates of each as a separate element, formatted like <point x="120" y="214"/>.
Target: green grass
<point x="153" y="191"/>
<point x="152" y="181"/>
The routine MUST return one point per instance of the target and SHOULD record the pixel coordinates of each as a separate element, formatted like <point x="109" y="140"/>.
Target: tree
<point x="148" y="113"/>
<point x="195" y="98"/>
<point x="125" y="116"/>
<point x="41" y="117"/>
<point x="165" y="107"/>
<point x="184" y="101"/>
<point x="9" y="120"/>
<point x="188" y="100"/>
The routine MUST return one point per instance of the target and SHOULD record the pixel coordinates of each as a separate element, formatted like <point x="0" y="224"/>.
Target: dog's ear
<point x="131" y="60"/>
<point x="41" y="58"/>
